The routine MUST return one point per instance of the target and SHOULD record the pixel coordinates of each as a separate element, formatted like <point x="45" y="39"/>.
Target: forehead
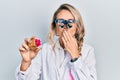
<point x="65" y="14"/>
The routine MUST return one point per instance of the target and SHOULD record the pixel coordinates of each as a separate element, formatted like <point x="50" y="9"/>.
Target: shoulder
<point x="46" y="46"/>
<point x="87" y="49"/>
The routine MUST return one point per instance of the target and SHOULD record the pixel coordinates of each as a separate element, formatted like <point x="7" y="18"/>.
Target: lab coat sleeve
<point x="33" y="72"/>
<point x="85" y="68"/>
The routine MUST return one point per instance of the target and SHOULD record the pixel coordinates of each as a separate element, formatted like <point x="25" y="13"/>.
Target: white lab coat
<point x="54" y="64"/>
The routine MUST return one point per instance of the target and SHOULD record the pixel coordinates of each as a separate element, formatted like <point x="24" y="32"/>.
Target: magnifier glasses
<point x="62" y="22"/>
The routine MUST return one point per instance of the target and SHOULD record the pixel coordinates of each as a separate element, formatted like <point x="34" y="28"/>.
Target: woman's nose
<point x="65" y="26"/>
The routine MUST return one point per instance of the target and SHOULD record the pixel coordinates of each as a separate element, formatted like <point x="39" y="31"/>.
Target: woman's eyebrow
<point x="65" y="19"/>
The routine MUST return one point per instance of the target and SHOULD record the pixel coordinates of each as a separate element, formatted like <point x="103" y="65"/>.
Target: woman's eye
<point x="61" y="26"/>
<point x="69" y="25"/>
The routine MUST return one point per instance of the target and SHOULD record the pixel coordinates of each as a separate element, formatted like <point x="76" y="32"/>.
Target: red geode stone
<point x="37" y="42"/>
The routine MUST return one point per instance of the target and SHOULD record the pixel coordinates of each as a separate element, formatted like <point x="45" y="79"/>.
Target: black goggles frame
<point x="65" y="22"/>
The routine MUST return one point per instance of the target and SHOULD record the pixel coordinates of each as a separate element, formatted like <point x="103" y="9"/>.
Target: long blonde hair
<point x="80" y="31"/>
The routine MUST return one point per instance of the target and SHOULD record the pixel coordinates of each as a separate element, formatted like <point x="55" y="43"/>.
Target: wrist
<point x="75" y="57"/>
<point x="73" y="60"/>
<point x="24" y="65"/>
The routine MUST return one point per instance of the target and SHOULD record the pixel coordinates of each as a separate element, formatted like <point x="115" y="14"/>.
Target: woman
<point x="67" y="58"/>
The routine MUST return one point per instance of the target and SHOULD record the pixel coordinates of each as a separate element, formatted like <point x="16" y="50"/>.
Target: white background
<point x="25" y="18"/>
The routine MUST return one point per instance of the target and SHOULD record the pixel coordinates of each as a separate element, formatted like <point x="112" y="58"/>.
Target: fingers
<point x="21" y="49"/>
<point x="64" y="41"/>
<point x="38" y="49"/>
<point x="24" y="46"/>
<point x="70" y="36"/>
<point x="27" y="40"/>
<point x="67" y="36"/>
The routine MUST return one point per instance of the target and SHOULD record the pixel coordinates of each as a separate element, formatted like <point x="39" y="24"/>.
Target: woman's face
<point x="65" y="15"/>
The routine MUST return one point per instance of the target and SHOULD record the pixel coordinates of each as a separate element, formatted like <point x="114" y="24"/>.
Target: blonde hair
<point x="80" y="31"/>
